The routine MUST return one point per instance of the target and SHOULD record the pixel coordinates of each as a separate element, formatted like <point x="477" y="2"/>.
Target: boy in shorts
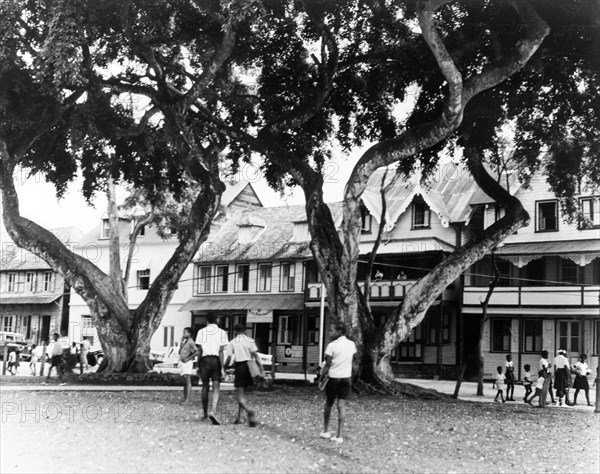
<point x="187" y="352"/>
<point x="338" y="366"/>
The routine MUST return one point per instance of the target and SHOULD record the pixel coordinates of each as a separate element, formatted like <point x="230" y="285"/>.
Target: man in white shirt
<point x="211" y="340"/>
<point x="338" y="367"/>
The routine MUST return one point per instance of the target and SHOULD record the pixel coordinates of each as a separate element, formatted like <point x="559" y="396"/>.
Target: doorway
<point x="569" y="338"/>
<point x="261" y="337"/>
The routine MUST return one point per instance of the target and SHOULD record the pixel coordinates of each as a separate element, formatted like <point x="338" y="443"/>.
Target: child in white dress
<point x="499" y="383"/>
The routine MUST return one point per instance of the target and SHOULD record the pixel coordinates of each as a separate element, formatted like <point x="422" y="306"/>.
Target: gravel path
<point x="150" y="432"/>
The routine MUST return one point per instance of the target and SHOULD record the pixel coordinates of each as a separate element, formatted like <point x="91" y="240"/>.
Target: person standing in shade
<point x="561" y="376"/>
<point x="211" y="340"/>
<point x="244" y="350"/>
<point x="338" y="366"/>
<point x="83" y="354"/>
<point x="187" y="352"/>
<point x="544" y="366"/>
<point x="56" y="353"/>
<point x="510" y="378"/>
<point x="581" y="382"/>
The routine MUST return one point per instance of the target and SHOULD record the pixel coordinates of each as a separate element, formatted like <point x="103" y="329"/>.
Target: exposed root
<point x="394" y="387"/>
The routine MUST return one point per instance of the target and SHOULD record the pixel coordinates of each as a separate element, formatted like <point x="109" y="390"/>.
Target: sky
<point x="38" y="201"/>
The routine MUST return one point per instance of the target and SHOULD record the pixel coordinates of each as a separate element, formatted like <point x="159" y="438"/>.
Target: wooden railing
<point x="571" y="295"/>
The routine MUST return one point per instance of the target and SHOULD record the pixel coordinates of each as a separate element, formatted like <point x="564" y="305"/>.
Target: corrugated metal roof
<point x="30" y="299"/>
<point x="245" y="302"/>
<point x="565" y="247"/>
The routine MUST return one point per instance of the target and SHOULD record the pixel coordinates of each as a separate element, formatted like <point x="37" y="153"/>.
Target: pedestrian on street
<point x="187" y="352"/>
<point x="499" y="384"/>
<point x="83" y="355"/>
<point x="12" y="362"/>
<point x="527" y="381"/>
<point x="338" y="367"/>
<point x="56" y="353"/>
<point x="510" y="378"/>
<point x="561" y="376"/>
<point x="539" y="385"/>
<point x="243" y="349"/>
<point x="545" y="366"/>
<point x="33" y="360"/>
<point x="582" y="370"/>
<point x="211" y="340"/>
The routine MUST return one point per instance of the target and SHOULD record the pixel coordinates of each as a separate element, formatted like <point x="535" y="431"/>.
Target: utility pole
<point x="597" y="410"/>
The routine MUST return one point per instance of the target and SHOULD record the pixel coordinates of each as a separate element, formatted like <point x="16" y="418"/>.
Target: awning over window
<point x="245" y="302"/>
<point x="33" y="299"/>
<point x="582" y="252"/>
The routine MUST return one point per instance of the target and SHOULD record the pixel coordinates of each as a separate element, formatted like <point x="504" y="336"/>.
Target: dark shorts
<point x="242" y="375"/>
<point x="55" y="361"/>
<point x="337" y="388"/>
<point x="210" y="368"/>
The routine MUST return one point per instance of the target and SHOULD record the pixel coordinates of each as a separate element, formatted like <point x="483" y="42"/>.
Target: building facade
<point x="34" y="299"/>
<point x="548" y="296"/>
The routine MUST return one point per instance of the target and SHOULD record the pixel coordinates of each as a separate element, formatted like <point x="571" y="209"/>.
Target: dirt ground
<point x="149" y="432"/>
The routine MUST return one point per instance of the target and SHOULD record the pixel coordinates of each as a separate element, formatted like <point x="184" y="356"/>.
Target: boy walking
<point x="244" y="349"/>
<point x="187" y="352"/>
<point x="56" y="359"/>
<point x="211" y="340"/>
<point x="338" y="366"/>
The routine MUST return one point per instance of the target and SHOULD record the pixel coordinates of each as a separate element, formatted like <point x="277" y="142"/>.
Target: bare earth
<point x="150" y="432"/>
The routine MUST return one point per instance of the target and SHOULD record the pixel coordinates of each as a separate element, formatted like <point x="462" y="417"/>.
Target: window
<point x="48" y="281"/>
<point x="30" y="282"/>
<point x="221" y="278"/>
<point x="569" y="271"/>
<point x="547" y="216"/>
<point x="264" y="277"/>
<point x="501" y="330"/>
<point x="8" y="323"/>
<point x="168" y="336"/>
<point x="11" y="283"/>
<point x="285" y="330"/>
<point x="143" y="279"/>
<point x="142" y="231"/>
<point x="243" y="278"/>
<point x="445" y="328"/>
<point x="86" y="322"/>
<point x="411" y="348"/>
<point x="532" y="335"/>
<point x="288" y="272"/>
<point x="595" y="325"/>
<point x="421" y="216"/>
<point x="590" y="212"/>
<point x="568" y="336"/>
<point x="313" y="330"/>
<point x="203" y="280"/>
<point x="366" y="220"/>
<point x="105" y="231"/>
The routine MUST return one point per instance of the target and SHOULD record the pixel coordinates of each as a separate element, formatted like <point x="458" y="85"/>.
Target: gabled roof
<point x="451" y="194"/>
<point x="16" y="259"/>
<point x="274" y="242"/>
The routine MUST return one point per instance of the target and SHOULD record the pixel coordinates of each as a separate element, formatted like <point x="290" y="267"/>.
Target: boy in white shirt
<point x="338" y="367"/>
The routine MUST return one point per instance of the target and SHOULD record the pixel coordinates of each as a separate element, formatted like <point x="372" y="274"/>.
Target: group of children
<point x="505" y="380"/>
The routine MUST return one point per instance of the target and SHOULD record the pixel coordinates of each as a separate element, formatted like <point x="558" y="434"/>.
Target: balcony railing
<point x="572" y="295"/>
<point x="379" y="290"/>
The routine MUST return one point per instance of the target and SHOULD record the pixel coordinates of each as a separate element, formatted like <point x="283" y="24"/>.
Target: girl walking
<point x="499" y="383"/>
<point x="581" y="382"/>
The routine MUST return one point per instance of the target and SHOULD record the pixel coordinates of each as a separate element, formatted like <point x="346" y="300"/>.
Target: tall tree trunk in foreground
<point x="124" y="334"/>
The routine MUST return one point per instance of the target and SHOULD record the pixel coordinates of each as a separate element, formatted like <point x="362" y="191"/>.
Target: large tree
<point x="68" y="103"/>
<point x="338" y="70"/>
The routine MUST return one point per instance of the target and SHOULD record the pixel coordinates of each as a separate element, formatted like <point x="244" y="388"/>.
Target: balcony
<point x="551" y="296"/>
<point x="383" y="290"/>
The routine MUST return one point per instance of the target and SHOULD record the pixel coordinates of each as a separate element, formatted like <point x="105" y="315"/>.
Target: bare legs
<point x="341" y="404"/>
<point x="187" y="389"/>
<point x="243" y="405"/>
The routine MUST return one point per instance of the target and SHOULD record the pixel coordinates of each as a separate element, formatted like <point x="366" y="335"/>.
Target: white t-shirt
<point x="540" y="383"/>
<point x="211" y="339"/>
<point x="242" y="347"/>
<point x="582" y="368"/>
<point x="341" y="351"/>
<point x="544" y="364"/>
